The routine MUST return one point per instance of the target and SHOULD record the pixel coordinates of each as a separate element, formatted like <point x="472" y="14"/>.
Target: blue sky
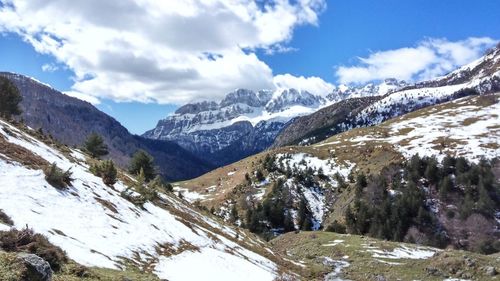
<point x="335" y="37"/>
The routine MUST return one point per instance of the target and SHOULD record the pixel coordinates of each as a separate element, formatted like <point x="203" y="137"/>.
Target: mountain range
<point x="246" y="122"/>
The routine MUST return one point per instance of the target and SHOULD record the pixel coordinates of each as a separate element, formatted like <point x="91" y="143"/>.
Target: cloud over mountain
<point x="428" y="59"/>
<point x="160" y="51"/>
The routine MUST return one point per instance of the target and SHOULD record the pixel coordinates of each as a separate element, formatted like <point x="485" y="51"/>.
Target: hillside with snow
<point x="98" y="226"/>
<point x="353" y="109"/>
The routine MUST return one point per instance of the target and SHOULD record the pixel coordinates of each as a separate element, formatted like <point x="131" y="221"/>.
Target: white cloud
<point x="314" y="85"/>
<point x="430" y="58"/>
<point x="49" y="67"/>
<point x="161" y="51"/>
<point x="90" y="99"/>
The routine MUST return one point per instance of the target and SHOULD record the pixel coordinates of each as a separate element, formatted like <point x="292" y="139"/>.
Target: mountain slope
<point x="479" y="77"/>
<point x="322" y="123"/>
<point x="98" y="226"/>
<point x="70" y="121"/>
<point x="318" y="175"/>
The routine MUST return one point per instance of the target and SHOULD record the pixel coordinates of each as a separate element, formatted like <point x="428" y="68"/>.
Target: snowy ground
<point x="302" y="161"/>
<point x="469" y="138"/>
<point x="96" y="226"/>
<point x="190" y="196"/>
<point x="403" y="253"/>
<point x="464" y="127"/>
<point x="337" y="266"/>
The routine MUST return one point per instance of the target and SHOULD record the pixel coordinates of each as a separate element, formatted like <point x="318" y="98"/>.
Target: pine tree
<point x="109" y="173"/>
<point x="350" y="221"/>
<point x="9" y="99"/>
<point x="485" y="204"/>
<point x="145" y="162"/>
<point x="467" y="206"/>
<point x="307" y="225"/>
<point x="288" y="222"/>
<point x="259" y="175"/>
<point x="415" y="168"/>
<point x="448" y="164"/>
<point x="360" y="184"/>
<point x="141" y="180"/>
<point x="302" y="212"/>
<point x="95" y="146"/>
<point x="461" y="165"/>
<point x="234" y="214"/>
<point x="159" y="184"/>
<point x="445" y="187"/>
<point x="432" y="171"/>
<point x="248" y="179"/>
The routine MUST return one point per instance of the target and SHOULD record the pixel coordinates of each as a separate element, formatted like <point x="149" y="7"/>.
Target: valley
<point x="389" y="180"/>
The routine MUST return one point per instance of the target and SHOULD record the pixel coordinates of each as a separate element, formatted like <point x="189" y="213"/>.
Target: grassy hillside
<point x="362" y="258"/>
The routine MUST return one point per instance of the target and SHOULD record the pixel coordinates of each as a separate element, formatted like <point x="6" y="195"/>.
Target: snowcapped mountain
<point x="99" y="225"/>
<point x="243" y="123"/>
<point x="246" y="122"/>
<point x="369" y="90"/>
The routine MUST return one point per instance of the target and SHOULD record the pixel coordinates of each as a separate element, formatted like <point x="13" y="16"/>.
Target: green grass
<point x="308" y="247"/>
<point x="11" y="269"/>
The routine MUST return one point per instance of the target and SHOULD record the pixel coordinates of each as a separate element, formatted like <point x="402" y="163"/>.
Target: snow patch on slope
<point x="97" y="227"/>
<point x="404" y="253"/>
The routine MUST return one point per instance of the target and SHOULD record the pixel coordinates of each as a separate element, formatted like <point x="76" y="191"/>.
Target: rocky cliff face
<point x="243" y="123"/>
<point x="70" y="121"/>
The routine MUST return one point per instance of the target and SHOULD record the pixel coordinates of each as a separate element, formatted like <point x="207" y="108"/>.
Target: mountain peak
<point x="243" y="96"/>
<point x="286" y="98"/>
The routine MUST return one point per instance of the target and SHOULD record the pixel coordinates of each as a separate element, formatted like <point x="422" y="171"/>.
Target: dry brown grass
<point x="19" y="154"/>
<point x="106" y="204"/>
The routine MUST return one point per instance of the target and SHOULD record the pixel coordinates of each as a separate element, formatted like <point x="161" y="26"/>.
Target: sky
<point x="138" y="60"/>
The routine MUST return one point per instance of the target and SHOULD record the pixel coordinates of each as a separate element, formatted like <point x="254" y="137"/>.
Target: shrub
<point x="259" y="175"/>
<point x="106" y="170"/>
<point x="488" y="247"/>
<point x="58" y="178"/>
<point x="9" y="98"/>
<point x="4" y="218"/>
<point x="27" y="240"/>
<point x="336" y="227"/>
<point x="159" y="184"/>
<point x="450" y="214"/>
<point x="95" y="146"/>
